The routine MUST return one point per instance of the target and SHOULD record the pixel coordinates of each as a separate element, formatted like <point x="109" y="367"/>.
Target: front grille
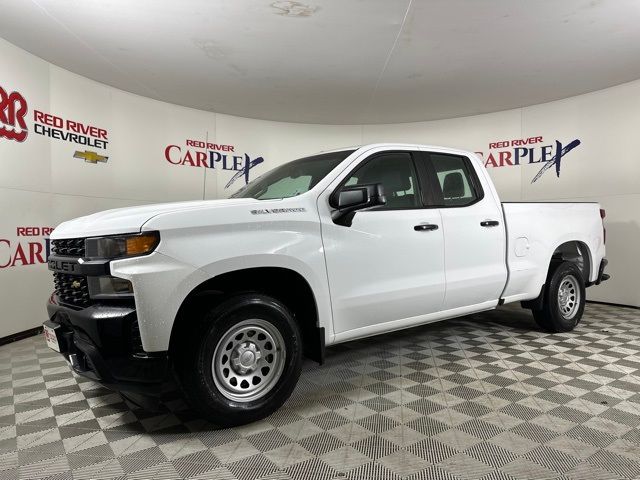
<point x="72" y="289"/>
<point x="70" y="247"/>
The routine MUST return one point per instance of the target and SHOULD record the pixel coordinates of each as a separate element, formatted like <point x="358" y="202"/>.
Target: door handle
<point x="424" y="227"/>
<point x="489" y="223"/>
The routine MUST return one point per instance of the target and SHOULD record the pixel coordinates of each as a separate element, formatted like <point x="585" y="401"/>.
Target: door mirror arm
<point x="348" y="200"/>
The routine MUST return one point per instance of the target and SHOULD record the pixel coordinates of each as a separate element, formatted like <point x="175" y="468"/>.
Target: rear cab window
<point x="456" y="183"/>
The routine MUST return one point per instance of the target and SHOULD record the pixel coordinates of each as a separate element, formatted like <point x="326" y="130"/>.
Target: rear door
<point x="474" y="234"/>
<point x="389" y="264"/>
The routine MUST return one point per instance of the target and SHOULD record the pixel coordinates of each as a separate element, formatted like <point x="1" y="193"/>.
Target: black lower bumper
<point x="101" y="342"/>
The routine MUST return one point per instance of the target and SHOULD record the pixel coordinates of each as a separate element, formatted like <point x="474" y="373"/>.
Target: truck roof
<point x="370" y="146"/>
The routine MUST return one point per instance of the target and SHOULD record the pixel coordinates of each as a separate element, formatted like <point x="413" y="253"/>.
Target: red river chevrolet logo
<point x="509" y="153"/>
<point x="211" y="155"/>
<point x="13" y="108"/>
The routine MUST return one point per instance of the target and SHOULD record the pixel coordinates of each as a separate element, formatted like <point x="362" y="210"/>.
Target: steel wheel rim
<point x="248" y="360"/>
<point x="568" y="297"/>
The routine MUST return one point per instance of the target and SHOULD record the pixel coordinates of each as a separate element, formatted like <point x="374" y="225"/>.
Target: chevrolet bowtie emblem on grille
<point x="90" y="157"/>
<point x="75" y="284"/>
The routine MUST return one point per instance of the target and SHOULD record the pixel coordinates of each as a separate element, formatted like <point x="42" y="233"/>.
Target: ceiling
<point x="337" y="61"/>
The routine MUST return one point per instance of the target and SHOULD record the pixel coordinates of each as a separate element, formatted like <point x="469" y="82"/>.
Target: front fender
<point x="160" y="284"/>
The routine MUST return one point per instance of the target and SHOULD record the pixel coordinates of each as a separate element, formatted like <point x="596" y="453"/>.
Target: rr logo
<point x="13" y="108"/>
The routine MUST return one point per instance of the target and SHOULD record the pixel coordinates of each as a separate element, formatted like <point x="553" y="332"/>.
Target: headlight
<point x="122" y="245"/>
<point x="105" y="288"/>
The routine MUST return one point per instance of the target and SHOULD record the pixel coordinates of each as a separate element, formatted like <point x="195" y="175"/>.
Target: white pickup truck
<point x="223" y="298"/>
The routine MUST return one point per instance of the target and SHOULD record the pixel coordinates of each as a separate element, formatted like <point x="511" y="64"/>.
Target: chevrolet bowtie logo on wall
<point x="90" y="157"/>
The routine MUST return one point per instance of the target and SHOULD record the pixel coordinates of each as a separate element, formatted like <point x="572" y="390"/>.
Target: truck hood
<point x="131" y="219"/>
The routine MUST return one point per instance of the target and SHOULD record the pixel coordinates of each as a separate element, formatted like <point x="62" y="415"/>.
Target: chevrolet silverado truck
<point x="223" y="298"/>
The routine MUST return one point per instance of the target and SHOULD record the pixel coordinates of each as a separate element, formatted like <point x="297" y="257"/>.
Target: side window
<point x="395" y="171"/>
<point x="456" y="180"/>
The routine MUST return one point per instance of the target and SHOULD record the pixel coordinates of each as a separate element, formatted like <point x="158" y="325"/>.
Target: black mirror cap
<point x="351" y="197"/>
<point x="358" y="197"/>
<point x="348" y="200"/>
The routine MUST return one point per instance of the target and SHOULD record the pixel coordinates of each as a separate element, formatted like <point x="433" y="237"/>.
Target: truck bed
<point x="535" y="230"/>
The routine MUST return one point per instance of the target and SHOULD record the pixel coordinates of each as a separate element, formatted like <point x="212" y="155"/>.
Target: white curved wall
<point x="42" y="184"/>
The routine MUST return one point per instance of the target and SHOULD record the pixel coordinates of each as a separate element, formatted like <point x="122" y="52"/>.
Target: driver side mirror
<point x="348" y="200"/>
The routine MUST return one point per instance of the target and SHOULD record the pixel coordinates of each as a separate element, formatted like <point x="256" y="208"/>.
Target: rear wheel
<point x="564" y="299"/>
<point x="243" y="362"/>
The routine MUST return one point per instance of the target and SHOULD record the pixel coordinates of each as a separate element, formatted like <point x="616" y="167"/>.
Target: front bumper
<point x="102" y="343"/>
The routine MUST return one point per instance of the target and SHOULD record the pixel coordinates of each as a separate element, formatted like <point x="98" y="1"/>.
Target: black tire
<point x="557" y="315"/>
<point x="212" y="394"/>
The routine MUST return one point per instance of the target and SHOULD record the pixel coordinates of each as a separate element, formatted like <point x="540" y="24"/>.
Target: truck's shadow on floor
<point x="171" y="415"/>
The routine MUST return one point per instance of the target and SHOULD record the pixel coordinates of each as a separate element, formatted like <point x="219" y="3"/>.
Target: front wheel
<point x="564" y="299"/>
<point x="244" y="361"/>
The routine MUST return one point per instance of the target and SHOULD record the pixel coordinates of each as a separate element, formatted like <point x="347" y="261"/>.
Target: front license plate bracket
<point x="53" y="335"/>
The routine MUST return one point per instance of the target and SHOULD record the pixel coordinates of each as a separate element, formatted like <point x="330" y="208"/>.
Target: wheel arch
<point x="283" y="283"/>
<point x="575" y="251"/>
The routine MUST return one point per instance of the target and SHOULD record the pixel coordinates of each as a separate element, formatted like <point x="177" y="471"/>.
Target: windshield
<point x="293" y="178"/>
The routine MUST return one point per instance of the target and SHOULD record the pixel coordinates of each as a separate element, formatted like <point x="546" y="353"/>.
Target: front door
<point x="388" y="266"/>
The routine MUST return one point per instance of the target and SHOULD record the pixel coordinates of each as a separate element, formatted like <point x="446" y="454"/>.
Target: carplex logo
<point x="29" y="247"/>
<point x="13" y="108"/>
<point x="510" y="153"/>
<point x="211" y="155"/>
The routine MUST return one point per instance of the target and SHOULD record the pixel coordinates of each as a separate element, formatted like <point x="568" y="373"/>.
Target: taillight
<point x="603" y="214"/>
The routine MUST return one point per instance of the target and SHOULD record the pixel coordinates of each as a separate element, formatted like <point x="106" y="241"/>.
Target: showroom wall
<point x="71" y="146"/>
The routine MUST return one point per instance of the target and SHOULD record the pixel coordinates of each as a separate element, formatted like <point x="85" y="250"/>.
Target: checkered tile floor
<point x="483" y="397"/>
